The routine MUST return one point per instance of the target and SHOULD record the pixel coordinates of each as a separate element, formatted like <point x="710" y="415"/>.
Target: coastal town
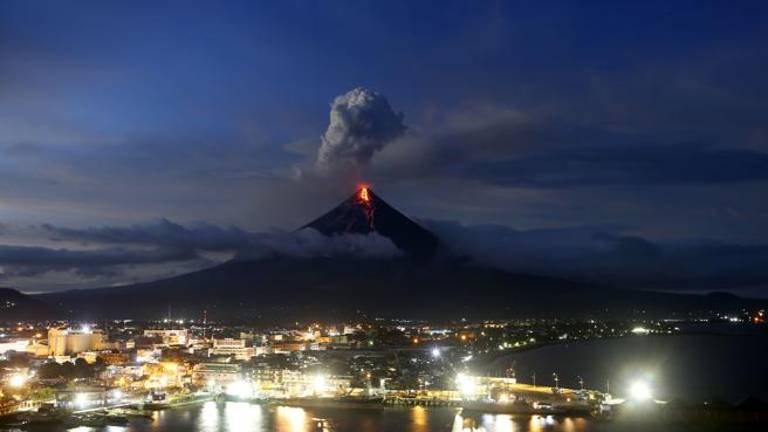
<point x="100" y="373"/>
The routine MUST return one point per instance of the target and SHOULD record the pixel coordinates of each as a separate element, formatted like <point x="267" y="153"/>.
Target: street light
<point x="640" y="391"/>
<point x="557" y="380"/>
<point x="17" y="380"/>
<point x="435" y="352"/>
<point x="81" y="400"/>
<point x="117" y="394"/>
<point x="240" y="389"/>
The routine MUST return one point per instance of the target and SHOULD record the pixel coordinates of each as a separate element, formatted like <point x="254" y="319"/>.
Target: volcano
<point x="365" y="212"/>
<point x="283" y="287"/>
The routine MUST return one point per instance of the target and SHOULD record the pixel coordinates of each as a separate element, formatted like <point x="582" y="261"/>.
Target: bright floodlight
<point x="240" y="389"/>
<point x="466" y="384"/>
<point x="81" y="400"/>
<point x="85" y="329"/>
<point x="640" y="391"/>
<point x="435" y="352"/>
<point x="320" y="383"/>
<point x="17" y="380"/>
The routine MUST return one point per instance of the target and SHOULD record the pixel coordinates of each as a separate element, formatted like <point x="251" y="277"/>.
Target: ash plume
<point x="361" y="123"/>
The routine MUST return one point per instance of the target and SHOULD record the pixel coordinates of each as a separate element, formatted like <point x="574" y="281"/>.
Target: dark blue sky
<point x="640" y="119"/>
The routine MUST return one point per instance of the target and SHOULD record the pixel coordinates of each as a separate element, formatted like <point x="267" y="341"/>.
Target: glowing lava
<point x="364" y="195"/>
<point x="364" y="199"/>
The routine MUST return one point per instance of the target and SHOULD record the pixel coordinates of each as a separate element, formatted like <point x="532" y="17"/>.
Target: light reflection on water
<point x="510" y="423"/>
<point x="209" y="418"/>
<point x="243" y="416"/>
<point x="419" y="419"/>
<point x="291" y="419"/>
<point x="246" y="417"/>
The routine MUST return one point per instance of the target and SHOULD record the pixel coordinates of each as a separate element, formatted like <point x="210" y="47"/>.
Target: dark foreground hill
<point x="16" y="306"/>
<point x="332" y="288"/>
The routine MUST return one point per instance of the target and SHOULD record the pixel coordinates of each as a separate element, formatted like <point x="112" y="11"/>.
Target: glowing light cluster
<point x="640" y="391"/>
<point x="17" y="380"/>
<point x="240" y="389"/>
<point x="320" y="383"/>
<point x="466" y="385"/>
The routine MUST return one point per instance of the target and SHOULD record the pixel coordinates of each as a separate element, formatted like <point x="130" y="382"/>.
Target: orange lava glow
<point x="365" y="200"/>
<point x="364" y="194"/>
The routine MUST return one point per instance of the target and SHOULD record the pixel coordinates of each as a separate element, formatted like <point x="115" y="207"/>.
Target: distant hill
<point x="288" y="288"/>
<point x="16" y="306"/>
<point x="426" y="282"/>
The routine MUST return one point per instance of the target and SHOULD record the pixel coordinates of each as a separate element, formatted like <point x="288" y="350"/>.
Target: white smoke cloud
<point x="361" y="123"/>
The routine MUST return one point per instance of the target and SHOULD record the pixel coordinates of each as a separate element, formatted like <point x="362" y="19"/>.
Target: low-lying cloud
<point x="607" y="256"/>
<point x="309" y="243"/>
<point x="102" y="256"/>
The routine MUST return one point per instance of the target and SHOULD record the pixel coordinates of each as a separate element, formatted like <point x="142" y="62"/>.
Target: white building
<point x="64" y="342"/>
<point x="232" y="347"/>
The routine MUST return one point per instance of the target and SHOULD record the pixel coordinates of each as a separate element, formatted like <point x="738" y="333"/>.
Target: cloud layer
<point x="92" y="257"/>
<point x="605" y="255"/>
<point x="515" y="148"/>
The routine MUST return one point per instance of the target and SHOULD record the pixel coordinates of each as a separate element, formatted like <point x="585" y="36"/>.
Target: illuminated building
<point x="38" y="348"/>
<point x="220" y="374"/>
<point x="294" y="383"/>
<point x="232" y="347"/>
<point x="164" y="375"/>
<point x="89" y="356"/>
<point x="64" y="342"/>
<point x="116" y="357"/>
<point x="80" y="397"/>
<point x="18" y="345"/>
<point x="169" y="337"/>
<point x="147" y="355"/>
<point x="288" y="346"/>
<point x="473" y="387"/>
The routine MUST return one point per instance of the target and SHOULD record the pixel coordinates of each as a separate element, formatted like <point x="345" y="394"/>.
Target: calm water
<point x="245" y="417"/>
<point x="692" y="367"/>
